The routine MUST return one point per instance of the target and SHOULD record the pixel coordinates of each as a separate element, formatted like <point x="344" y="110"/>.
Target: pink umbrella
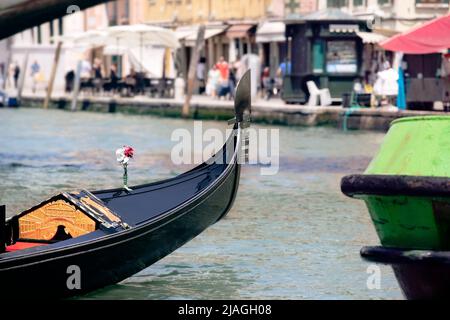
<point x="431" y="37"/>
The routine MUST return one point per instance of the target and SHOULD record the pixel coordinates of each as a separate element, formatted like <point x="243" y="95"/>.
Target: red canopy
<point x="431" y="37"/>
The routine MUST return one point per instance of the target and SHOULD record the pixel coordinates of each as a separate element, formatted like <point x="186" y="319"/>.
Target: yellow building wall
<point x="197" y="11"/>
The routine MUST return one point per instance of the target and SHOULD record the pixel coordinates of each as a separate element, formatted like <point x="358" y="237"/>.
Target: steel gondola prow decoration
<point x="243" y="112"/>
<point x="243" y="100"/>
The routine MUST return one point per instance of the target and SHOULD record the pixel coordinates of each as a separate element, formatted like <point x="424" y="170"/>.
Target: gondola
<point x="75" y="243"/>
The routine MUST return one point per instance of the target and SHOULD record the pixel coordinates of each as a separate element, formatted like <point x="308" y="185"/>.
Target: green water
<point x="289" y="236"/>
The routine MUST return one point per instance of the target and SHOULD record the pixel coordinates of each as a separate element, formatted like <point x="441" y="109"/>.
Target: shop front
<point x="216" y="45"/>
<point x="271" y="40"/>
<point x="325" y="48"/>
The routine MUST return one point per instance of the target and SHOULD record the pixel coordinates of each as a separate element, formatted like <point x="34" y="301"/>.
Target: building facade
<point x="299" y="6"/>
<point x="38" y="44"/>
<point x="185" y="12"/>
<point x="394" y="15"/>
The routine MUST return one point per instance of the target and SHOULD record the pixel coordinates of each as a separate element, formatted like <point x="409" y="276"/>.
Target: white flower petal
<point x="120" y="154"/>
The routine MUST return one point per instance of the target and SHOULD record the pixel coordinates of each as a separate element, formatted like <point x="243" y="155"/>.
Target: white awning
<point x="189" y="34"/>
<point x="185" y="31"/>
<point x="371" y="37"/>
<point x="271" y="31"/>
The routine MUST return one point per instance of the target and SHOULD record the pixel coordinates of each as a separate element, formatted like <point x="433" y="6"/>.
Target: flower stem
<point x="125" y="177"/>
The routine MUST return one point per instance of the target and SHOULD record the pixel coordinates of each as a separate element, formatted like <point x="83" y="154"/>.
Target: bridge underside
<point x="19" y="15"/>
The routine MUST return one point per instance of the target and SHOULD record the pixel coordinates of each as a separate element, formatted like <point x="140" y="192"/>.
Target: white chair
<point x="316" y="94"/>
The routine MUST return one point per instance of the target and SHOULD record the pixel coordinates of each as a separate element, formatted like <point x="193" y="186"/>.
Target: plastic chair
<point x="317" y="94"/>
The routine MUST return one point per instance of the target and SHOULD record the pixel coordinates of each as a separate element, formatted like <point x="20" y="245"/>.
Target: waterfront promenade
<point x="274" y="111"/>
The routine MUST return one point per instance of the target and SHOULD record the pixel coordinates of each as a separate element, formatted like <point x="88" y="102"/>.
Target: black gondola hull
<point x="114" y="259"/>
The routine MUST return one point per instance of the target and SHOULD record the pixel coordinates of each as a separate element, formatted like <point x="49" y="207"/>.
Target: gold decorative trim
<point x="43" y="222"/>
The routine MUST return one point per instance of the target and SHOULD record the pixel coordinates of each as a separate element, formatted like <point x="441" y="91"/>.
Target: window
<point x="337" y="3"/>
<point x="385" y="2"/>
<point x="359" y="3"/>
<point x="127" y="8"/>
<point x="342" y="57"/>
<point x="432" y="3"/>
<point x="112" y="9"/>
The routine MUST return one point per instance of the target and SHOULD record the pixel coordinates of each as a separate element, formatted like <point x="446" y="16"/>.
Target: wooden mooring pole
<point x="23" y="72"/>
<point x="76" y="89"/>
<point x="53" y="75"/>
<point x="192" y="70"/>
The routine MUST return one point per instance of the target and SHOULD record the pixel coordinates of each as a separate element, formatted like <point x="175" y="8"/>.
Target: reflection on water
<point x="289" y="236"/>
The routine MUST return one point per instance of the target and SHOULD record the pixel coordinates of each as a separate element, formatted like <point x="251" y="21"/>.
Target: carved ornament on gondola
<point x="67" y="215"/>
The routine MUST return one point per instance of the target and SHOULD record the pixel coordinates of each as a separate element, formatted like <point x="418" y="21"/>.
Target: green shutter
<point x="318" y="57"/>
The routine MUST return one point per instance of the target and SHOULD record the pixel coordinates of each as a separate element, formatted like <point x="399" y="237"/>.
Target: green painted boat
<point x="407" y="185"/>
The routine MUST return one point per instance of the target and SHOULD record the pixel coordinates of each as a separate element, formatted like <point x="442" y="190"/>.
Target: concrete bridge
<point x="19" y="15"/>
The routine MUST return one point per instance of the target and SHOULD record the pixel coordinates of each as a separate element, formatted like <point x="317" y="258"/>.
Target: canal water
<point x="289" y="236"/>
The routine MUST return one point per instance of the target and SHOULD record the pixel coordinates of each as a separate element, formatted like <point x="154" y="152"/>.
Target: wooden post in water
<point x="192" y="70"/>
<point x="23" y="72"/>
<point x="53" y="75"/>
<point x="6" y="75"/>
<point x="76" y="88"/>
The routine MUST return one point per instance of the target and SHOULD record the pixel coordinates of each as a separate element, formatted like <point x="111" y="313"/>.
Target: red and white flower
<point x="124" y="155"/>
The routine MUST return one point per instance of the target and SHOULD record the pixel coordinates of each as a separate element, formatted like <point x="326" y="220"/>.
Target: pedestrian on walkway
<point x="16" y="75"/>
<point x="201" y="70"/>
<point x="98" y="75"/>
<point x="224" y="69"/>
<point x="266" y="83"/>
<point x="224" y="82"/>
<point x="35" y="70"/>
<point x="213" y="82"/>
<point x="284" y="69"/>
<point x="233" y="83"/>
<point x="70" y="81"/>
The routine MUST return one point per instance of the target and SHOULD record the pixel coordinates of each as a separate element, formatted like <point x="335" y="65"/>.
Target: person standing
<point x="16" y="75"/>
<point x="201" y="70"/>
<point x="224" y="69"/>
<point x="266" y="83"/>
<point x="35" y="70"/>
<point x="70" y="81"/>
<point x="224" y="82"/>
<point x="213" y="82"/>
<point x="284" y="69"/>
<point x="98" y="76"/>
<point x="114" y="78"/>
<point x="233" y="83"/>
